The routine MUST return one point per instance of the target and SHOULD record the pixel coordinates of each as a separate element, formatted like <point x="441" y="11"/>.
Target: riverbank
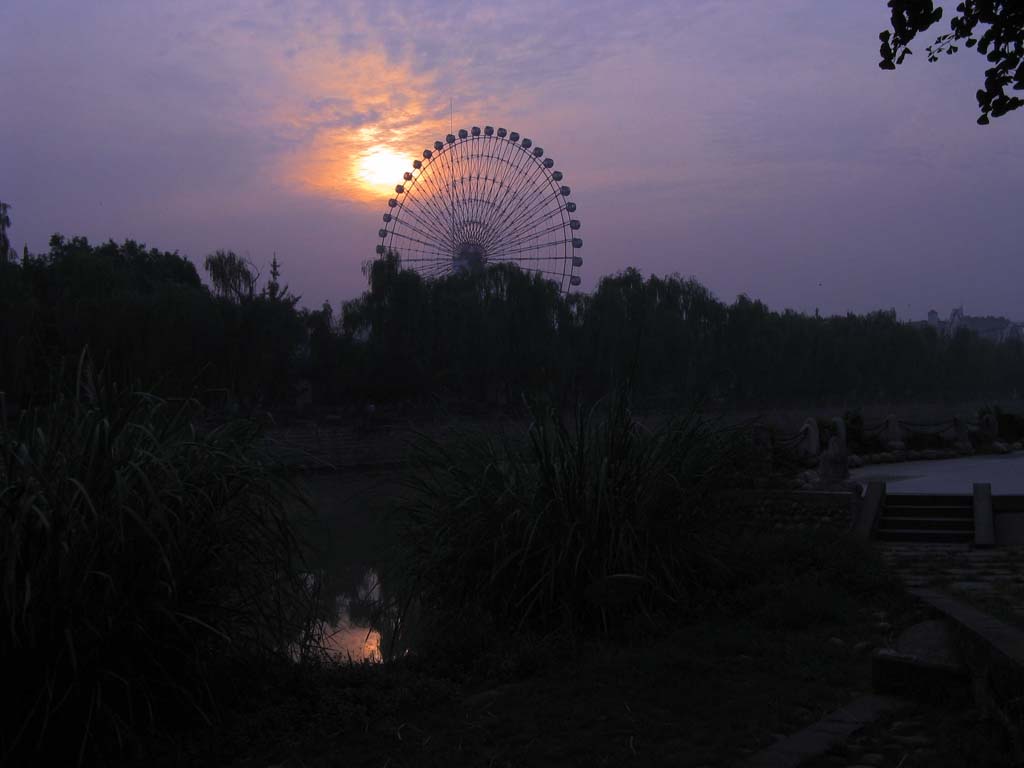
<point x="708" y="694"/>
<point x="768" y="659"/>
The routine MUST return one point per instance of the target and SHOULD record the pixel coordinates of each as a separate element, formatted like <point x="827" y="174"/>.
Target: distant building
<point x="997" y="329"/>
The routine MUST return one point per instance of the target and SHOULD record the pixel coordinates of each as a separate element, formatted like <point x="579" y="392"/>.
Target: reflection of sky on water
<point x="348" y="538"/>
<point x="352" y="634"/>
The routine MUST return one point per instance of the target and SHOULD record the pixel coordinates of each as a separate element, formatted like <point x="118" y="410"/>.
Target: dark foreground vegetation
<point x="157" y="610"/>
<point x="145" y="567"/>
<point x="475" y="341"/>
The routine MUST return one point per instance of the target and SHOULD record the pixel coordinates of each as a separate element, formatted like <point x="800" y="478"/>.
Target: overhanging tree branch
<point x="995" y="27"/>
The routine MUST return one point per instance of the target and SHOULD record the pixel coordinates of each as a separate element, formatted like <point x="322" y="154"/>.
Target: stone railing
<point x="885" y="441"/>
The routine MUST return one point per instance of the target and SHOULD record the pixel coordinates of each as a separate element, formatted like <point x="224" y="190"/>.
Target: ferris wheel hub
<point x="469" y="257"/>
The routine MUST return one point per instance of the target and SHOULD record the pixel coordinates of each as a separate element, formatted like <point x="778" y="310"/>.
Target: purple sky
<point x="753" y="145"/>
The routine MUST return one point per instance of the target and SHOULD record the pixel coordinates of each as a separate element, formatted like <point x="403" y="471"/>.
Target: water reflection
<point x="349" y="539"/>
<point x="352" y="634"/>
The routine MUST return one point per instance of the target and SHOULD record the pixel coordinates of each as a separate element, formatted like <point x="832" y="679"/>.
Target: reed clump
<point x="567" y="529"/>
<point x="145" y="562"/>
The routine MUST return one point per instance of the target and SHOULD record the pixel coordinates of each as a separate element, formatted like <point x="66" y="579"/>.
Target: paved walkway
<point x="881" y="736"/>
<point x="917" y="737"/>
<point x="990" y="579"/>
<point x="826" y="734"/>
<point x="1005" y="473"/>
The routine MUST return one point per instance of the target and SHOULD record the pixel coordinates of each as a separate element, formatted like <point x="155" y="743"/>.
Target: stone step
<point x="924" y="536"/>
<point x="891" y="522"/>
<point x="929" y="500"/>
<point x="897" y="552"/>
<point x="933" y="511"/>
<point x="925" y="662"/>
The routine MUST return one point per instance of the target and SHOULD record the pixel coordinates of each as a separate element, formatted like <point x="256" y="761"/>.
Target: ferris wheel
<point x="483" y="196"/>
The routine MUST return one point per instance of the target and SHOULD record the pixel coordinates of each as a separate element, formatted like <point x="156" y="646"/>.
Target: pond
<point x="349" y="540"/>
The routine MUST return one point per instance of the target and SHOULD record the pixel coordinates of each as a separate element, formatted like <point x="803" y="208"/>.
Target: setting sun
<point x="381" y="168"/>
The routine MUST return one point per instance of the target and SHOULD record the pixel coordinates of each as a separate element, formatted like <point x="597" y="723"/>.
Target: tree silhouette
<point x="995" y="27"/>
<point x="233" y="277"/>
<point x="273" y="289"/>
<point x="479" y="340"/>
<point x="6" y="252"/>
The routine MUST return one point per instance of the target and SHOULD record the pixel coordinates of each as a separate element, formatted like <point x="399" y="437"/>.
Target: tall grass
<point x="143" y="562"/>
<point x="553" y="532"/>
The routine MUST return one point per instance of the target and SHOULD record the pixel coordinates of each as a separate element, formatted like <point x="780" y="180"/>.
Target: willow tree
<point x="6" y="252"/>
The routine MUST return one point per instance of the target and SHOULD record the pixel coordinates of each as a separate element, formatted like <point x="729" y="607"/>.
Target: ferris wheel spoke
<point x="427" y="193"/>
<point x="519" y="257"/>
<point x="548" y="208"/>
<point x="529" y="171"/>
<point x="511" y="173"/>
<point x="485" y="189"/>
<point x="422" y="254"/>
<point x="437" y="199"/>
<point x="503" y="232"/>
<point x="515" y="229"/>
<point x="533" y="232"/>
<point x="527" y="185"/>
<point x="411" y="239"/>
<point x="425" y="221"/>
<point x="555" y="199"/>
<point x="451" y="158"/>
<point x="443" y="217"/>
<point x="529" y="229"/>
<point x="501" y="176"/>
<point x="422" y="197"/>
<point x="407" y="232"/>
<point x="533" y="247"/>
<point x="408" y="246"/>
<point x="508" y="223"/>
<point x="485" y="205"/>
<point x="504" y="174"/>
<point x="463" y="185"/>
<point x="476" y="184"/>
<point x="406" y="229"/>
<point x="551" y="272"/>
<point x="439" y="202"/>
<point x="541" y="199"/>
